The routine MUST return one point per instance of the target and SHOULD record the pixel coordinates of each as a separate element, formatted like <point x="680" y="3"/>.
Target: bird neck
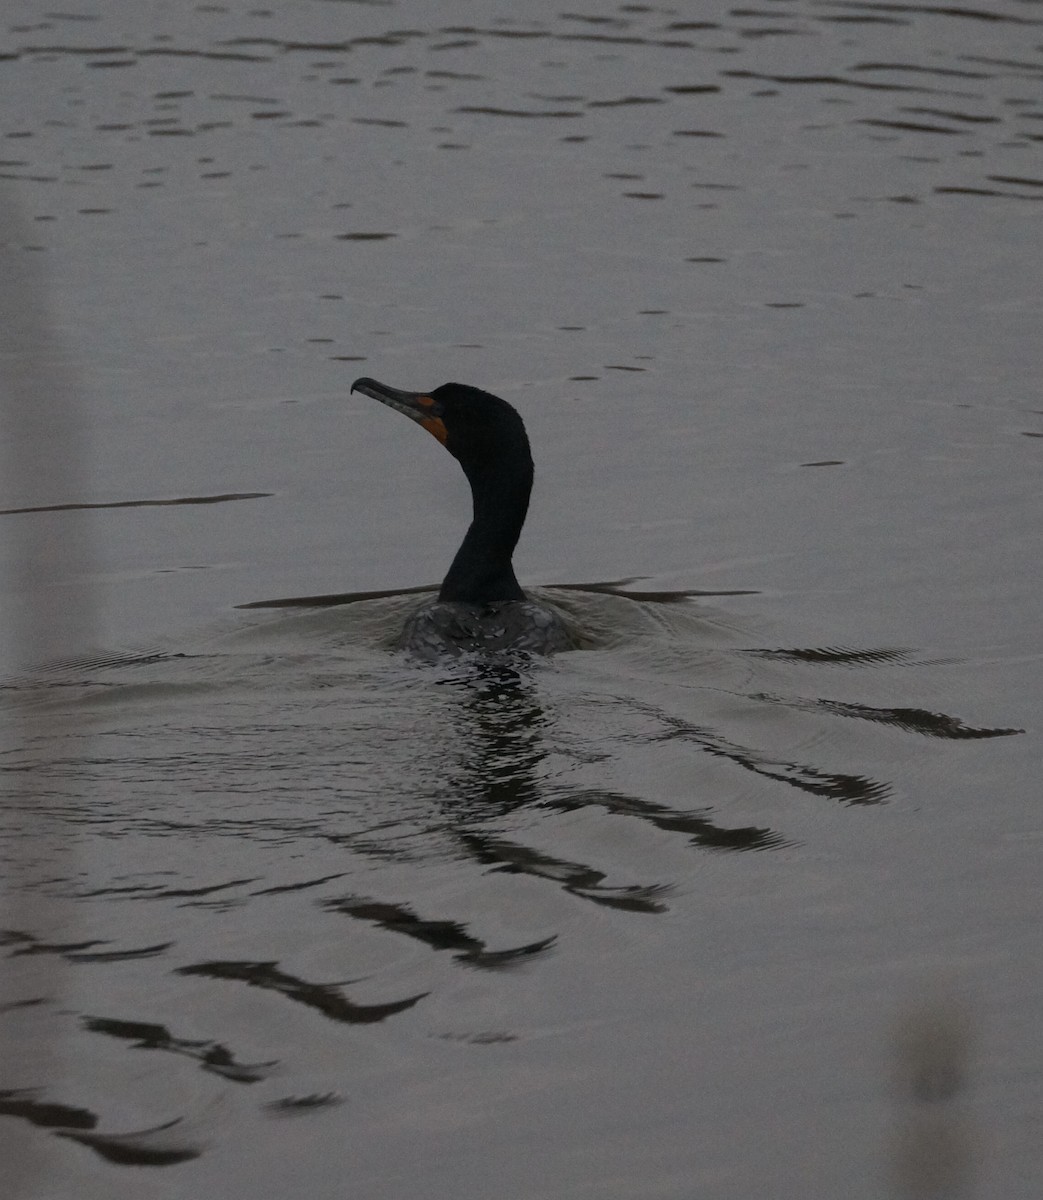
<point x="482" y="572"/>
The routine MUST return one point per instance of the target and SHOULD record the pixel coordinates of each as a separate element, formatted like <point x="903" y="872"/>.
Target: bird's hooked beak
<point x="418" y="406"/>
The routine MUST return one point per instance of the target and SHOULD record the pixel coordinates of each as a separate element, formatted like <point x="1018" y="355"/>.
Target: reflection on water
<point x="280" y="776"/>
<point x="232" y="83"/>
<point x="285" y="741"/>
<point x="161" y="1146"/>
<point x="621" y="907"/>
<point x="7" y="512"/>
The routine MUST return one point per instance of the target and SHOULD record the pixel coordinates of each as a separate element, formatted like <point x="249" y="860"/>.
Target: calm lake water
<point x="741" y="899"/>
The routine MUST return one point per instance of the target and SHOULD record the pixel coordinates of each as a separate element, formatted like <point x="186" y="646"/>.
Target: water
<point x="740" y="899"/>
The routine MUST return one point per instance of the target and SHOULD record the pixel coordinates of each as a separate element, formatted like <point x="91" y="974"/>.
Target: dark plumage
<point x="481" y="605"/>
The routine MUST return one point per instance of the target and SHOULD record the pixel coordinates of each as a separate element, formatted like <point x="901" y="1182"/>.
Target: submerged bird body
<point x="481" y="605"/>
<point x="450" y="627"/>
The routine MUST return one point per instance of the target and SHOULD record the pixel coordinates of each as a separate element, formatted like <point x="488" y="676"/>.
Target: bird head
<point x="477" y="428"/>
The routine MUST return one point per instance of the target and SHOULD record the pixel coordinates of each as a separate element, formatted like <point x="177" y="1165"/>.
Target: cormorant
<point x="481" y="606"/>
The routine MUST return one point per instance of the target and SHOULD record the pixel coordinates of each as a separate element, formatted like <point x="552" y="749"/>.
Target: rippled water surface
<point x="741" y="898"/>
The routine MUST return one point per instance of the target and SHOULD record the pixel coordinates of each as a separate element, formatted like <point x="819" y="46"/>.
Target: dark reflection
<point x="22" y="1102"/>
<point x="625" y="101"/>
<point x="978" y="191"/>
<point x="332" y="598"/>
<point x="964" y="12"/>
<point x="622" y="588"/>
<point x="492" y="769"/>
<point x="439" y="935"/>
<point x="516" y="112"/>
<point x="212" y="1056"/>
<point x="612" y="587"/>
<point x="577" y="879"/>
<point x="834" y="785"/>
<point x="913" y="68"/>
<point x="699" y="828"/>
<point x="295" y="1106"/>
<point x="495" y="770"/>
<point x="912" y="720"/>
<point x="838" y="655"/>
<point x="485" y="1038"/>
<point x="219" y="499"/>
<point x="276" y="889"/>
<point x="81" y="952"/>
<point x="950" y="114"/>
<point x="27" y="944"/>
<point x="908" y="126"/>
<point x="830" y="80"/>
<point x="146" y="1148"/>
<point x="207" y="890"/>
<point x="1018" y="180"/>
<point x="324" y="997"/>
<point x="153" y="1147"/>
<point x="14" y="1005"/>
<point x="112" y="956"/>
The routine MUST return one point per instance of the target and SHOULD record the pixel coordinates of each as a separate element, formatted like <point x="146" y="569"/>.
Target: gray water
<point x="740" y="899"/>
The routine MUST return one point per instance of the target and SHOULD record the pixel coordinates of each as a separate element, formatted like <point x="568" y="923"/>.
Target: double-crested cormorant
<point x="481" y="605"/>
